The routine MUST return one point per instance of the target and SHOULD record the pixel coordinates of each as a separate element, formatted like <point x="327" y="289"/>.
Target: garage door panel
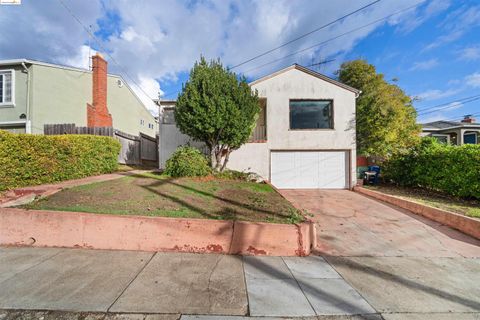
<point x="309" y="169"/>
<point x="333" y="171"/>
<point x="283" y="169"/>
<point x="306" y="169"/>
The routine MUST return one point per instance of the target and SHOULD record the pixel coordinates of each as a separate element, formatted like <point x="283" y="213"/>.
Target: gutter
<point x="28" y="123"/>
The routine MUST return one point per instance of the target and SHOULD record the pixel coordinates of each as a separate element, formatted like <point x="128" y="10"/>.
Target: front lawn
<point x="156" y="195"/>
<point x="469" y="208"/>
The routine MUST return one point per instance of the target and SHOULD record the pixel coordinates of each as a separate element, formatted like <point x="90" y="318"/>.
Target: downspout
<point x="28" y="124"/>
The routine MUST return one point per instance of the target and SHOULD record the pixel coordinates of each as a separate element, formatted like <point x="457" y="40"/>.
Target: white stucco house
<point x="305" y="134"/>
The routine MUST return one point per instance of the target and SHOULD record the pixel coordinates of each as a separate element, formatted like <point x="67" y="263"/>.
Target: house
<point x="34" y="93"/>
<point x="466" y="131"/>
<point x="304" y="137"/>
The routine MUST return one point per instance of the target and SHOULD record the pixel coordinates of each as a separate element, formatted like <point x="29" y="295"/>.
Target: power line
<point x="102" y="47"/>
<point x="452" y="105"/>
<point x="336" y="37"/>
<point x="447" y="103"/>
<point x="304" y="35"/>
<point x="461" y="117"/>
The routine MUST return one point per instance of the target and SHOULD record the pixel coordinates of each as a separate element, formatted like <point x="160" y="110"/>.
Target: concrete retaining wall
<point x="20" y="227"/>
<point x="467" y="225"/>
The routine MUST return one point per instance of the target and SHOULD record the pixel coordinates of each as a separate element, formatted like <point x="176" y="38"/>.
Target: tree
<point x="385" y="117"/>
<point x="217" y="108"/>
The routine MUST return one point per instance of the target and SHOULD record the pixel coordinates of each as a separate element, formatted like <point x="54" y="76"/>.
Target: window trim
<point x="470" y="133"/>
<point x="434" y="135"/>
<point x="10" y="103"/>
<point x="311" y="129"/>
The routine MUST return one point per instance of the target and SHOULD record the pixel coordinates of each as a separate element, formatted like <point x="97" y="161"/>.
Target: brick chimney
<point x="468" y="119"/>
<point x="97" y="112"/>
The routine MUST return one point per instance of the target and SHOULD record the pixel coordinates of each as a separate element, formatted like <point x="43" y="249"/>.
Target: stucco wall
<point x="12" y="112"/>
<point x="251" y="157"/>
<point x="60" y="95"/>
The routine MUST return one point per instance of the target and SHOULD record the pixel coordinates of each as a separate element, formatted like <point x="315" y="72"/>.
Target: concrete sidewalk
<point x="173" y="284"/>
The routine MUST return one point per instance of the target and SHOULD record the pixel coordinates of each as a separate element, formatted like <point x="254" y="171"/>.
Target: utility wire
<point x="336" y="37"/>
<point x="446" y="103"/>
<point x="304" y="35"/>
<point x="461" y="117"/>
<point x="102" y="47"/>
<point x="449" y="106"/>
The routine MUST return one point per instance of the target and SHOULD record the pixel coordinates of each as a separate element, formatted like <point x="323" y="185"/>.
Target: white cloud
<point x="473" y="80"/>
<point x="159" y="42"/>
<point x="150" y="89"/>
<point x="471" y="53"/>
<point x="415" y="19"/>
<point x="436" y="94"/>
<point x="456" y="24"/>
<point x="424" y="65"/>
<point x="81" y="59"/>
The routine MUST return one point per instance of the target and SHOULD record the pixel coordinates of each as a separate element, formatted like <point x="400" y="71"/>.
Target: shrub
<point x="451" y="169"/>
<point x="187" y="161"/>
<point x="37" y="159"/>
<point x="232" y="175"/>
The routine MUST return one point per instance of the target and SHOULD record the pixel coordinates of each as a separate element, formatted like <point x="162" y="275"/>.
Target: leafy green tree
<point x="385" y="118"/>
<point x="217" y="108"/>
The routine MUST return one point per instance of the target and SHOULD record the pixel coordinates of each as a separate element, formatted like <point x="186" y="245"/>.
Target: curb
<point x="457" y="221"/>
<point x="39" y="228"/>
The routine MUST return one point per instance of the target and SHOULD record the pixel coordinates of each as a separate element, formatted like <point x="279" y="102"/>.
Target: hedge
<point x="451" y="169"/>
<point x="37" y="159"/>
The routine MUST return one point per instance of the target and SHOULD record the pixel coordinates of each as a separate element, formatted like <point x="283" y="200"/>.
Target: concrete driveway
<point x="399" y="262"/>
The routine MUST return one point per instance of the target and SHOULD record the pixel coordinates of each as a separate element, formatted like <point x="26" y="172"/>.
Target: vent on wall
<point x="120" y="83"/>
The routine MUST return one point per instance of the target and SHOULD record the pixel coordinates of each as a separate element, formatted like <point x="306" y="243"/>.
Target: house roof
<point x="443" y="124"/>
<point x="14" y="62"/>
<point x="310" y="72"/>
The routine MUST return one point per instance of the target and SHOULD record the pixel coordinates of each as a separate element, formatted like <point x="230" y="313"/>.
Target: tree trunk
<point x="224" y="165"/>
<point x="212" y="157"/>
<point x="218" y="159"/>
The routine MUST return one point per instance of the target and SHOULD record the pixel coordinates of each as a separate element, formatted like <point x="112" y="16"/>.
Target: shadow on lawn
<point x="227" y="213"/>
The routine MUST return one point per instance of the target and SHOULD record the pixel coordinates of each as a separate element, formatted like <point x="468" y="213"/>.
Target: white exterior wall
<point x="296" y="84"/>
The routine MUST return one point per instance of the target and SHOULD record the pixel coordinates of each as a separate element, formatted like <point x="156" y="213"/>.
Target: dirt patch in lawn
<point x="469" y="208"/>
<point x="155" y="195"/>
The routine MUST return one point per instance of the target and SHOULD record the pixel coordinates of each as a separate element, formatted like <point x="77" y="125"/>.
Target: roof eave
<point x="312" y="73"/>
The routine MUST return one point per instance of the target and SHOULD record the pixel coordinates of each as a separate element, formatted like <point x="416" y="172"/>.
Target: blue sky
<point x="433" y="49"/>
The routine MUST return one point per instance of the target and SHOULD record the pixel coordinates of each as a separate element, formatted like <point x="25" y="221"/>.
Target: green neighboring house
<point x="34" y="93"/>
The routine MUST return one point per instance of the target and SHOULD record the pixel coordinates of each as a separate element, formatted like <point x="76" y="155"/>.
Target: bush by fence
<point x="37" y="159"/>
<point x="451" y="169"/>
<point x="187" y="161"/>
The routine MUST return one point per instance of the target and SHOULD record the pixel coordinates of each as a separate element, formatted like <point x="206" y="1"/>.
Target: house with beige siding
<point x="34" y="93"/>
<point x="304" y="137"/>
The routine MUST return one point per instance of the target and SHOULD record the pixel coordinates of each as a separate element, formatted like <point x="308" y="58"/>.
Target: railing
<point x="259" y="134"/>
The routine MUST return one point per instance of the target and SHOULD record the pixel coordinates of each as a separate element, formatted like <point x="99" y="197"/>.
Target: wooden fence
<point x="135" y="150"/>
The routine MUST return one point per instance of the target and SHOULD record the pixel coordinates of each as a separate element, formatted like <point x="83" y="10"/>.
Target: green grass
<point x="152" y="194"/>
<point x="434" y="199"/>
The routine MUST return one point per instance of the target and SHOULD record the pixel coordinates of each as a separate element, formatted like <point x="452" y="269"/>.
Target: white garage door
<point x="309" y="169"/>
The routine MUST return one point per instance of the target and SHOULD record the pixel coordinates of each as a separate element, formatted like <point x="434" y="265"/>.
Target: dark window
<point x="470" y="138"/>
<point x="311" y="114"/>
<point x="168" y="116"/>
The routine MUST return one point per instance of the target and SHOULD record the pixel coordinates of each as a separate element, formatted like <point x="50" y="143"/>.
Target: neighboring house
<point x="34" y="93"/>
<point x="305" y="134"/>
<point x="466" y="131"/>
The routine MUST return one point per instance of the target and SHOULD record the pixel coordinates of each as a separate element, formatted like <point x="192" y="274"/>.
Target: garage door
<point x="309" y="169"/>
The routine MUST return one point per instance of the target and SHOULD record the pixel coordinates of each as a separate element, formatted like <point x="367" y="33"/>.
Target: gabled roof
<point x="443" y="124"/>
<point x="14" y="62"/>
<point x="310" y="72"/>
